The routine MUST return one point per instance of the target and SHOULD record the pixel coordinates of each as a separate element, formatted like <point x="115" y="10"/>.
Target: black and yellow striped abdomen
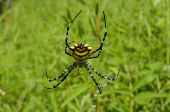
<point x="81" y="53"/>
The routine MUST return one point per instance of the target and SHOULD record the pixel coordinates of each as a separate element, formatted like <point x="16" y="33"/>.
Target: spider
<point x="81" y="52"/>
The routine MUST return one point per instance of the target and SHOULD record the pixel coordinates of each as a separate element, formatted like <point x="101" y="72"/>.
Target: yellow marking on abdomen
<point x="83" y="56"/>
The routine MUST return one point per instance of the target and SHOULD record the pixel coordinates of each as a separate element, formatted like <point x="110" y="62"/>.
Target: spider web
<point x="96" y="96"/>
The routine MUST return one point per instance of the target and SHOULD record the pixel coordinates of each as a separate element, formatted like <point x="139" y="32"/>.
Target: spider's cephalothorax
<point x="81" y="52"/>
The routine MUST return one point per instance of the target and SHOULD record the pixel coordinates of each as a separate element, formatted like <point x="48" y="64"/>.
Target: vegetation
<point x="32" y="39"/>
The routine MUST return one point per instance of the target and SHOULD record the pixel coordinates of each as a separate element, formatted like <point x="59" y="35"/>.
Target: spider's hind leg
<point x="93" y="79"/>
<point x="102" y="75"/>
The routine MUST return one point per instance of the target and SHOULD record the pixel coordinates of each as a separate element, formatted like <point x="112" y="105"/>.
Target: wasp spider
<point x="81" y="52"/>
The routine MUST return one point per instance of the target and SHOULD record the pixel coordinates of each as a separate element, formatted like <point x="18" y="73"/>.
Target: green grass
<point x="32" y="39"/>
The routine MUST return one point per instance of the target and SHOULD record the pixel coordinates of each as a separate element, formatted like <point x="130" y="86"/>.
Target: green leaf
<point x="122" y="91"/>
<point x="143" y="98"/>
<point x="142" y="72"/>
<point x="161" y="22"/>
<point x="156" y="66"/>
<point x="141" y="81"/>
<point x="168" y="99"/>
<point x="53" y="101"/>
<point x="38" y="101"/>
<point x="155" y="2"/>
<point x="121" y="85"/>
<point x="77" y="91"/>
<point x="84" y="99"/>
<point x="28" y="106"/>
<point x="73" y="106"/>
<point x="148" y="28"/>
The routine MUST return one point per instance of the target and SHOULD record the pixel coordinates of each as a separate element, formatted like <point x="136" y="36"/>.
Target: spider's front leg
<point x="102" y="75"/>
<point x="66" y="40"/>
<point x="101" y="43"/>
<point x="66" y="49"/>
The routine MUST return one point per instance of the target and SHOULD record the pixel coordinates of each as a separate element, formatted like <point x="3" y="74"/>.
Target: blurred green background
<point x="32" y="39"/>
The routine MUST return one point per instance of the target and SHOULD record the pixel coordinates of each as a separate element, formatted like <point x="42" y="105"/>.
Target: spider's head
<point x="81" y="52"/>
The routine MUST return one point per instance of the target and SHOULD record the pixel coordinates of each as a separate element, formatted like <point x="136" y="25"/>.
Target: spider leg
<point x="93" y="78"/>
<point x="66" y="49"/>
<point x="72" y="67"/>
<point x="61" y="74"/>
<point x="103" y="76"/>
<point x="101" y="43"/>
<point x="66" y="40"/>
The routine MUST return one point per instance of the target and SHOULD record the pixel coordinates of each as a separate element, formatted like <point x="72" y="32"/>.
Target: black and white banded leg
<point x="66" y="40"/>
<point x="101" y="45"/>
<point x="72" y="67"/>
<point x="93" y="78"/>
<point x="66" y="49"/>
<point x="103" y="76"/>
